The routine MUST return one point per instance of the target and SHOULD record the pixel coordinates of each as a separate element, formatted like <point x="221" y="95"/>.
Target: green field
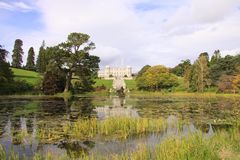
<point x="106" y="83"/>
<point x="131" y="84"/>
<point x="30" y="77"/>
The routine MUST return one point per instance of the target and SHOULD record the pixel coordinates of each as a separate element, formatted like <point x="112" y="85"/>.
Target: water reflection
<point x="21" y="119"/>
<point x="119" y="107"/>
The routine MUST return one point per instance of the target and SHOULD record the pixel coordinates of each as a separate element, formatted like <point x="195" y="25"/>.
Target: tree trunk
<point x="68" y="81"/>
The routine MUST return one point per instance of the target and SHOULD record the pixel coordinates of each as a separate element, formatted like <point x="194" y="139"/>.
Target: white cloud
<point x="7" y="6"/>
<point x="18" y="5"/>
<point x="172" y="31"/>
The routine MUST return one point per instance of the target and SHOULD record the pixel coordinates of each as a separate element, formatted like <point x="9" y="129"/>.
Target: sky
<point x="126" y="32"/>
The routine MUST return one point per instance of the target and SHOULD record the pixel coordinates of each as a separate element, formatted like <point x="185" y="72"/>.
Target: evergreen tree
<point x="17" y="54"/>
<point x="49" y="83"/>
<point x="30" y="60"/>
<point x="6" y="74"/>
<point x="41" y="60"/>
<point x="215" y="57"/>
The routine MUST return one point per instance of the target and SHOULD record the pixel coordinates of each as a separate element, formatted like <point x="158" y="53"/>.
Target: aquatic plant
<point x="114" y="127"/>
<point x="223" y="144"/>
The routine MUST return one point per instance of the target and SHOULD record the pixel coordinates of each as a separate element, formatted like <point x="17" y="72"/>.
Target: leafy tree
<point x="225" y="84"/>
<point x="201" y="72"/>
<point x="17" y="54"/>
<point x="41" y="59"/>
<point x="179" y="70"/>
<point x="30" y="60"/>
<point x="6" y="74"/>
<point x="73" y="56"/>
<point x="228" y="65"/>
<point x="187" y="76"/>
<point x="204" y="54"/>
<point x="236" y="83"/>
<point x="157" y="78"/>
<point x="143" y="70"/>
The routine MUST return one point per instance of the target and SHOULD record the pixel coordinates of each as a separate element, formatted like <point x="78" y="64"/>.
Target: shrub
<point x="15" y="87"/>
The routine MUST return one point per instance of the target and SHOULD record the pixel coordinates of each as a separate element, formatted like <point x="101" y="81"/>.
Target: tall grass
<point x="222" y="145"/>
<point x="115" y="127"/>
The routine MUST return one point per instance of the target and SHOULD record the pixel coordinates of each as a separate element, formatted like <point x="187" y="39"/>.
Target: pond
<point x="22" y="120"/>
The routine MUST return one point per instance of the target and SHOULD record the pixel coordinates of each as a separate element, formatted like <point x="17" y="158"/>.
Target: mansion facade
<point x="115" y="72"/>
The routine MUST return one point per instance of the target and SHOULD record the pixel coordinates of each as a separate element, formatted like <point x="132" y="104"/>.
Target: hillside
<point x="30" y="77"/>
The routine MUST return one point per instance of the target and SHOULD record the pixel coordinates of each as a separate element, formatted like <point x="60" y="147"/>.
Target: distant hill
<point x="30" y="77"/>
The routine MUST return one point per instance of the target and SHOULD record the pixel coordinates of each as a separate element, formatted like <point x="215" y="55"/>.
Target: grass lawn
<point x="107" y="83"/>
<point x="131" y="84"/>
<point x="30" y="77"/>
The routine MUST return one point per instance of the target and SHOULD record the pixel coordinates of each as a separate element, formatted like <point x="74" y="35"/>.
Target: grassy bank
<point x="106" y="83"/>
<point x="131" y="84"/>
<point x="30" y="77"/>
<point x="148" y="94"/>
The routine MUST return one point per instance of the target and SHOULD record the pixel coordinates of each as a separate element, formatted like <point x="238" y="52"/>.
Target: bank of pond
<point x="103" y="127"/>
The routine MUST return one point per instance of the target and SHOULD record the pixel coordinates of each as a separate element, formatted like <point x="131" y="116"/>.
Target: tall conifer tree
<point x="17" y="54"/>
<point x="41" y="60"/>
<point x="30" y="60"/>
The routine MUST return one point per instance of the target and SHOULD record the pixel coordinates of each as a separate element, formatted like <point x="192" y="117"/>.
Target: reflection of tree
<point x="83" y="108"/>
<point x="76" y="149"/>
<point x="53" y="107"/>
<point x="197" y="110"/>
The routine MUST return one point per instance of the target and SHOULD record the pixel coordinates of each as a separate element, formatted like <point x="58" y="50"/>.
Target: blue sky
<point x="127" y="32"/>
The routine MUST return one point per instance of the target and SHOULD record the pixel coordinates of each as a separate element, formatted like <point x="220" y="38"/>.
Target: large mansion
<point x="115" y="72"/>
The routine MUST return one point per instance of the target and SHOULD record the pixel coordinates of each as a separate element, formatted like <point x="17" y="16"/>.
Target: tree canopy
<point x="157" y="78"/>
<point x="73" y="56"/>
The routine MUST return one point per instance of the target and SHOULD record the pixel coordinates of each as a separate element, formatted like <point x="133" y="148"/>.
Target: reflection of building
<point x="118" y="108"/>
<point x="112" y="72"/>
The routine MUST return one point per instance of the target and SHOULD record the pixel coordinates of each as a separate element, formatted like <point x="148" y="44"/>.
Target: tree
<point x="17" y="54"/>
<point x="3" y="54"/>
<point x="73" y="56"/>
<point x="41" y="59"/>
<point x="187" y="76"/>
<point x="215" y="57"/>
<point x="225" y="84"/>
<point x="228" y="65"/>
<point x="49" y="83"/>
<point x="236" y="83"/>
<point x="179" y="70"/>
<point x="30" y="60"/>
<point x="143" y="70"/>
<point x="6" y="74"/>
<point x="201" y="71"/>
<point x="157" y="78"/>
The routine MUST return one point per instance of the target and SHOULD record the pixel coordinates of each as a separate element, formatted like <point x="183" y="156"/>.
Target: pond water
<point x="28" y="115"/>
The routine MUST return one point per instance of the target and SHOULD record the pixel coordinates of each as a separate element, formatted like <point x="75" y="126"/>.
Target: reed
<point x="114" y="127"/>
<point x="223" y="145"/>
<point x="197" y="146"/>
